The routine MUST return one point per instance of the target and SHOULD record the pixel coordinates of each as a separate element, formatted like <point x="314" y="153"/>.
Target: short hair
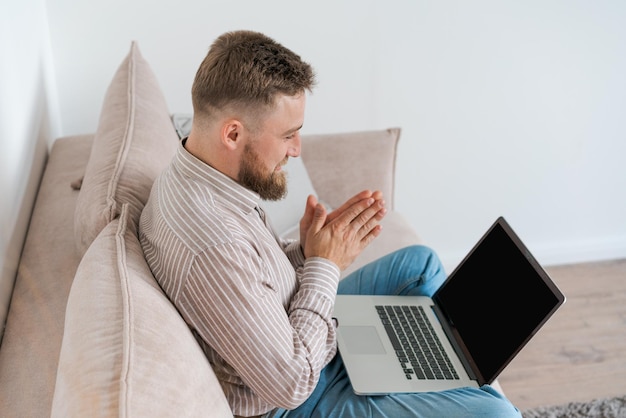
<point x="245" y="71"/>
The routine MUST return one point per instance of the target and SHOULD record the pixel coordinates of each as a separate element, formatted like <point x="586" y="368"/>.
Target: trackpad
<point x="362" y="340"/>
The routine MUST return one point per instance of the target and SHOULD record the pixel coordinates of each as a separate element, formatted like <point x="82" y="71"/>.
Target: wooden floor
<point x="580" y="354"/>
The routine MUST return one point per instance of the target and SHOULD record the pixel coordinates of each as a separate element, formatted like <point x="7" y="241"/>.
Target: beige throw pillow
<point x="126" y="351"/>
<point x="342" y="164"/>
<point x="134" y="141"/>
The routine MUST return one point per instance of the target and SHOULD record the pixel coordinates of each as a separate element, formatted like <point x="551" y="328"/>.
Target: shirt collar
<point x="219" y="183"/>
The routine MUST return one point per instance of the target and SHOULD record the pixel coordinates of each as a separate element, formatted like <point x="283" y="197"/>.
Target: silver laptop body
<point x="484" y="313"/>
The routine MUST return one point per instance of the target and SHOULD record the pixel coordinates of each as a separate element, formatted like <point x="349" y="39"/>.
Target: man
<point x="259" y="306"/>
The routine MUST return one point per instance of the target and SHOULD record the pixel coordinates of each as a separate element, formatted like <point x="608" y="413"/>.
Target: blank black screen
<point x="497" y="299"/>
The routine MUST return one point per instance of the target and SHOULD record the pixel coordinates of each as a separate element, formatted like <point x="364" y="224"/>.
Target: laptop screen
<point x="496" y="300"/>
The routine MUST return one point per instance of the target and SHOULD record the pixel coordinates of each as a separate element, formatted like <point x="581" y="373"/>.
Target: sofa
<point x="89" y="332"/>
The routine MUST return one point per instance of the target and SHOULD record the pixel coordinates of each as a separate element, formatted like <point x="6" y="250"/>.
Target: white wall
<point x="28" y="123"/>
<point x="507" y="108"/>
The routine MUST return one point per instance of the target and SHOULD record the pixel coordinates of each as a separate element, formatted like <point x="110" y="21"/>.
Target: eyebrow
<point x="292" y="130"/>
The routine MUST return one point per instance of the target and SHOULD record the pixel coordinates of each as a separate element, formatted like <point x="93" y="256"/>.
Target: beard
<point x="254" y="176"/>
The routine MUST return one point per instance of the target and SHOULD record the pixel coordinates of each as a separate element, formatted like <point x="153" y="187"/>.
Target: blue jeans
<point x="413" y="270"/>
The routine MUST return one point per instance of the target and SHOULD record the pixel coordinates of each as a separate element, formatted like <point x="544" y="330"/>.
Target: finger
<point x="307" y="218"/>
<point x="365" y="222"/>
<point x="354" y="199"/>
<point x="363" y="194"/>
<point x="378" y="195"/>
<point x="368" y="221"/>
<point x="370" y="224"/>
<point x="370" y="215"/>
<point x="352" y="212"/>
<point x="309" y="208"/>
<point x="319" y="218"/>
<point x="382" y="211"/>
<point x="375" y="232"/>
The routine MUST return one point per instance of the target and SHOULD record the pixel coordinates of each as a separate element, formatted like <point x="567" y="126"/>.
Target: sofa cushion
<point x="342" y="164"/>
<point x="34" y="329"/>
<point x="126" y="351"/>
<point x="134" y="141"/>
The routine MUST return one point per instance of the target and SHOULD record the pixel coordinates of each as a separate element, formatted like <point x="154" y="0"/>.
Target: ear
<point x="232" y="134"/>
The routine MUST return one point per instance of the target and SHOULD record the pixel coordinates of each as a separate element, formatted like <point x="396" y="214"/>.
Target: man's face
<point x="265" y="154"/>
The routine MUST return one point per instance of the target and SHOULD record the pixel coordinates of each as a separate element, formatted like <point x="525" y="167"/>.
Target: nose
<point x="295" y="146"/>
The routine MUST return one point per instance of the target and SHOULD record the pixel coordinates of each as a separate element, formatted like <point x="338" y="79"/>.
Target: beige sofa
<point x="89" y="332"/>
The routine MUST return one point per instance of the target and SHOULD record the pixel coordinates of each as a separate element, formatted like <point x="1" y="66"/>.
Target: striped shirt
<point x="260" y="311"/>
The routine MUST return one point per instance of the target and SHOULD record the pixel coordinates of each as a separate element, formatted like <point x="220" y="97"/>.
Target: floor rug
<point x="599" y="408"/>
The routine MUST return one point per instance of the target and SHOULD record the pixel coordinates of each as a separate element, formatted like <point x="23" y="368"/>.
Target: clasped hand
<point x="342" y="234"/>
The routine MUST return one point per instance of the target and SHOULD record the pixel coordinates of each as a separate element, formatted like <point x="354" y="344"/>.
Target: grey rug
<point x="599" y="408"/>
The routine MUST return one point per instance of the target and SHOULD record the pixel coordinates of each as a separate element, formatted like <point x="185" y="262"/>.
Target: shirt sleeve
<point x="294" y="253"/>
<point x="277" y="343"/>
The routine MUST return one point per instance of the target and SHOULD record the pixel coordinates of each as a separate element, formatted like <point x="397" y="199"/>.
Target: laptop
<point x="488" y="308"/>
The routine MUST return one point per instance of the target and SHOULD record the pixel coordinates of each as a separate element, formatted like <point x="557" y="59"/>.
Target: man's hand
<point x="341" y="235"/>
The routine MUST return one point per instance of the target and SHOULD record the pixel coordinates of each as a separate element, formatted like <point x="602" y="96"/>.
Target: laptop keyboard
<point x="418" y="348"/>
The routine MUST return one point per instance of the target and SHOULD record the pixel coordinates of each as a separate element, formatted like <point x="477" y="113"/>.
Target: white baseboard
<point x="581" y="251"/>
